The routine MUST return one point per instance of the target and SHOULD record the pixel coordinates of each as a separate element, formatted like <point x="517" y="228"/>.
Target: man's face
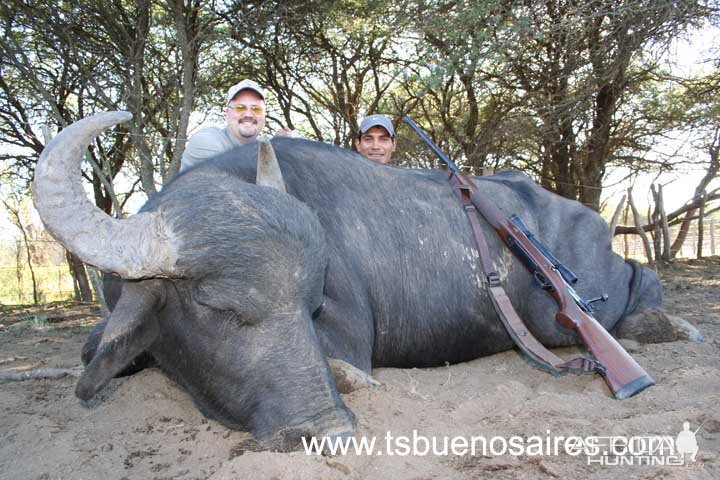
<point x="376" y="144"/>
<point x="245" y="126"/>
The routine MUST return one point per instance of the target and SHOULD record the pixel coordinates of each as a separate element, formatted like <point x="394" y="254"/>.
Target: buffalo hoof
<point x="686" y="331"/>
<point x="656" y="326"/>
<point x="349" y="378"/>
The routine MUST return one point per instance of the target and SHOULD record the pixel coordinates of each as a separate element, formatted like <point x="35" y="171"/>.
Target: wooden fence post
<point x="712" y="236"/>
<point x="625" y="235"/>
<point x="665" y="226"/>
<point x="657" y="234"/>
<point x="616" y="217"/>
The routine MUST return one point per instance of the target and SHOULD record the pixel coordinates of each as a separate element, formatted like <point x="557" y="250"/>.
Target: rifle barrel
<point x="431" y="144"/>
<point x="567" y="274"/>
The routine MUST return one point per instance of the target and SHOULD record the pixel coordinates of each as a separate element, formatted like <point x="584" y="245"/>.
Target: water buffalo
<point x="242" y="283"/>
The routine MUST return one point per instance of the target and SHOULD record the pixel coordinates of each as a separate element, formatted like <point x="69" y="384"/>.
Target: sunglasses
<point x="255" y="109"/>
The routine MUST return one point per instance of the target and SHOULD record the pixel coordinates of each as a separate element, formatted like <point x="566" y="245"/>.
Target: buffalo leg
<point x="653" y="325"/>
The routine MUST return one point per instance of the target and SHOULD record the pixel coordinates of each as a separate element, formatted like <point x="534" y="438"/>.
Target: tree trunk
<point x="597" y="145"/>
<point x="187" y="27"/>
<point x="36" y="297"/>
<point x="590" y="192"/>
<point x="701" y="195"/>
<point x="136" y="97"/>
<point x="15" y="212"/>
<point x="83" y="293"/>
<point x="701" y="217"/>
<point x="682" y="233"/>
<point x="18" y="269"/>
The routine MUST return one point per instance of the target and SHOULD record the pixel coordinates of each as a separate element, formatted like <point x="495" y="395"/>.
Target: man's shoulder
<point x="208" y="134"/>
<point x="203" y="144"/>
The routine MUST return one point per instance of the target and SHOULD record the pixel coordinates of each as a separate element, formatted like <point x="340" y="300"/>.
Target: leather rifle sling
<point x="512" y="322"/>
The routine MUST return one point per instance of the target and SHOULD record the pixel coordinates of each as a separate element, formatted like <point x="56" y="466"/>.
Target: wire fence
<point x="631" y="245"/>
<point x="53" y="283"/>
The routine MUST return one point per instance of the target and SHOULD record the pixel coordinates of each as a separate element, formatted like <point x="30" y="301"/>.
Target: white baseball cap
<point x="246" y="84"/>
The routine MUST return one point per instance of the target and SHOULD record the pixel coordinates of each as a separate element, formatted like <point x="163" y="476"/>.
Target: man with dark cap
<point x="376" y="140"/>
<point x="245" y="119"/>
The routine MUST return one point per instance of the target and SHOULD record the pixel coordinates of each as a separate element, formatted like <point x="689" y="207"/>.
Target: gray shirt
<point x="206" y="143"/>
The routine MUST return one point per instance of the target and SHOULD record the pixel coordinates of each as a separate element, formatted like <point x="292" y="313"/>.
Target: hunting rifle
<point x="621" y="372"/>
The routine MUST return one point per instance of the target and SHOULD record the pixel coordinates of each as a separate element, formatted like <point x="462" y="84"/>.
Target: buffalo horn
<point x="138" y="247"/>
<point x="268" y="169"/>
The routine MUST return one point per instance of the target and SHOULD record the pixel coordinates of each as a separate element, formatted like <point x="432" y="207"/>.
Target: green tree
<point x="560" y="70"/>
<point x="326" y="62"/>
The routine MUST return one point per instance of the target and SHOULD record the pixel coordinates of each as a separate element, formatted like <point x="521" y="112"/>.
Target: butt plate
<point x="634" y="387"/>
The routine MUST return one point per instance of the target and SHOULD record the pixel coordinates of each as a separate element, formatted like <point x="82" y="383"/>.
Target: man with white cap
<point x="376" y="139"/>
<point x="245" y="118"/>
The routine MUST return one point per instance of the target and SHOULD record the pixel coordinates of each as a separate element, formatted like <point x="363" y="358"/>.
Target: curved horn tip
<point x="123" y="114"/>
<point x="115" y="116"/>
<point x="80" y="226"/>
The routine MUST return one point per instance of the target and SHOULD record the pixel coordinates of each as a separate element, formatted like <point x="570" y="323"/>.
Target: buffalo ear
<point x="268" y="169"/>
<point x="130" y="330"/>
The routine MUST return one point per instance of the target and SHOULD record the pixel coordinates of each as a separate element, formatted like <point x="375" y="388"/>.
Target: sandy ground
<point x="145" y="427"/>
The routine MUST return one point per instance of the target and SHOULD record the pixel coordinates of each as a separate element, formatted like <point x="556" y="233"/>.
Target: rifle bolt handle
<point x="602" y="298"/>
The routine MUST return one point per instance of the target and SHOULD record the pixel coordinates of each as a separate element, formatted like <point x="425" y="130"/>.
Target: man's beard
<point x="247" y="129"/>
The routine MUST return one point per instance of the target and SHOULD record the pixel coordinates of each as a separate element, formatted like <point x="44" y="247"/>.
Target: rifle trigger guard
<point x="542" y="281"/>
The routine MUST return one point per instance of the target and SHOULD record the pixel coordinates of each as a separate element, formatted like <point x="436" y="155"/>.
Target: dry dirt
<point x="145" y="427"/>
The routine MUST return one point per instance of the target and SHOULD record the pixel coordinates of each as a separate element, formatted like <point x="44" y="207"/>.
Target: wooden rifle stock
<point x="621" y="372"/>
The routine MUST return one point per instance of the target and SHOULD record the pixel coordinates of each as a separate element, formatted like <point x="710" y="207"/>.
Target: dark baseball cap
<point x="376" y="121"/>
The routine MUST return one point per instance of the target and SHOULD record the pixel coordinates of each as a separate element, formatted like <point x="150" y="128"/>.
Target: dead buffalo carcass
<point x="241" y="282"/>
